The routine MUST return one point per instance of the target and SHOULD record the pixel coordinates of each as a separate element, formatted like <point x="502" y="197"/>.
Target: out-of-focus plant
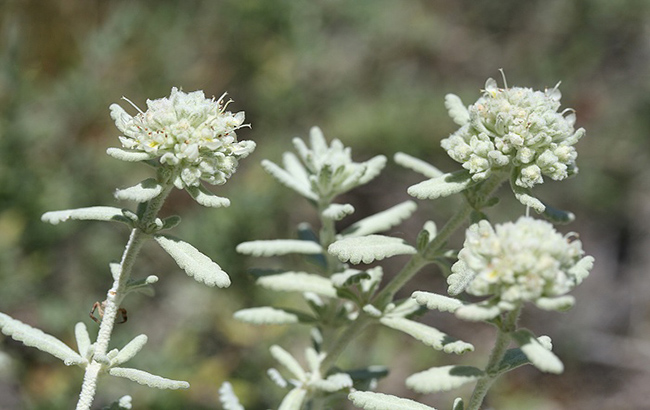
<point x="510" y="134"/>
<point x="187" y="139"/>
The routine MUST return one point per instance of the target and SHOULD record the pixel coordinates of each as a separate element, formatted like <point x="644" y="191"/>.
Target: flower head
<point x="189" y="134"/>
<point x="516" y="129"/>
<point x="524" y="261"/>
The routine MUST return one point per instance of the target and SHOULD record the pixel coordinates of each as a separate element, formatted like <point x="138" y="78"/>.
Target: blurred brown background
<point x="371" y="73"/>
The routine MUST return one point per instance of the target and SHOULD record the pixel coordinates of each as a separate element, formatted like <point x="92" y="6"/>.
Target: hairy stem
<point x="114" y="298"/>
<point x="504" y="335"/>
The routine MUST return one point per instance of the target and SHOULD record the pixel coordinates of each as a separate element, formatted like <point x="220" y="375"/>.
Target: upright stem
<point x="504" y="335"/>
<point x="114" y="298"/>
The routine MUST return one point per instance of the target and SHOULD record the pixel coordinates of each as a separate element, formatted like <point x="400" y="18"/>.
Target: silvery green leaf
<point x="131" y="349"/>
<point x="373" y="167"/>
<point x="83" y="338"/>
<point x="207" y="198"/>
<point x="581" y="269"/>
<point x="406" y="308"/>
<point x="436" y="302"/>
<point x="142" y="285"/>
<point x="378" y="401"/>
<point x="369" y="248"/>
<point x="457" y="110"/>
<point x="294" y="167"/>
<point x="427" y="335"/>
<point x="426" y="235"/>
<point x="460" y="278"/>
<point x="376" y="275"/>
<point x="128" y="155"/>
<point x="478" y="312"/>
<point x="228" y="398"/>
<point x="381" y="221"/>
<point x="293" y="400"/>
<point x="275" y="247"/>
<point x="266" y="315"/>
<point x="33" y="337"/>
<point x="372" y="311"/>
<point x="523" y="195"/>
<point x="193" y="262"/>
<point x="314" y="360"/>
<point x="336" y="212"/>
<point x="515" y="357"/>
<point x="298" y="282"/>
<point x="417" y="165"/>
<point x="147" y="379"/>
<point x="171" y="222"/>
<point x="441" y="186"/>
<point x="537" y="353"/>
<point x="288" y="180"/>
<point x="443" y="378"/>
<point x="458" y="404"/>
<point x="334" y="382"/>
<point x="560" y="303"/>
<point x="558" y="216"/>
<point x="116" y="270"/>
<point x="93" y="213"/>
<point x="124" y="403"/>
<point x="288" y="361"/>
<point x="276" y="377"/>
<point x="348" y="277"/>
<point x="142" y="192"/>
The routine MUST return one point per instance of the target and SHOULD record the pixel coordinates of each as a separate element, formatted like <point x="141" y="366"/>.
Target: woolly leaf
<point x="458" y="404"/>
<point x="477" y="312"/>
<point x="581" y="269"/>
<point x="334" y="382"/>
<point x="298" y="282"/>
<point x="277" y="378"/>
<point x="83" y="338"/>
<point x="441" y="186"/>
<point x="288" y="361"/>
<point x="379" y="401"/>
<point x="560" y="303"/>
<point x="142" y="192"/>
<point x="417" y="165"/>
<point x="426" y="235"/>
<point x="373" y="168"/>
<point x="193" y="262"/>
<point x="381" y="221"/>
<point x="294" y="167"/>
<point x="537" y="353"/>
<point x="127" y="155"/>
<point x="558" y="216"/>
<point x="207" y="198"/>
<point x="443" y="378"/>
<point x="44" y="342"/>
<point x="369" y="248"/>
<point x="436" y="302"/>
<point x="266" y="316"/>
<point x="124" y="403"/>
<point x="228" y="398"/>
<point x="279" y="247"/>
<point x="427" y="335"/>
<point x="457" y="110"/>
<point x="348" y="277"/>
<point x="523" y="195"/>
<point x="515" y="357"/>
<point x="288" y="180"/>
<point x="147" y="379"/>
<point x="293" y="400"/>
<point x="131" y="349"/>
<point x="460" y="278"/>
<point x="404" y="309"/>
<point x="336" y="212"/>
<point x="93" y="213"/>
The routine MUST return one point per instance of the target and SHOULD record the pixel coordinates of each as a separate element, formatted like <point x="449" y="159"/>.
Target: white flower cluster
<point x="516" y="129"/>
<point x="517" y="262"/>
<point x="193" y="136"/>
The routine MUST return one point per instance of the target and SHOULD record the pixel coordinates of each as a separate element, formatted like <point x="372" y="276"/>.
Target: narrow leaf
<point x="288" y="361"/>
<point x="381" y="221"/>
<point x="293" y="400"/>
<point x="437" y="302"/>
<point x="142" y="192"/>
<point x="228" y="398"/>
<point x="83" y="338"/>
<point x="373" y="167"/>
<point x="93" y="213"/>
<point x="288" y="180"/>
<point x="369" y="248"/>
<point x="558" y="216"/>
<point x="334" y="382"/>
<point x="276" y="377"/>
<point x="539" y="356"/>
<point x="478" y="312"/>
<point x="561" y="303"/>
<point x="279" y="247"/>
<point x="193" y="262"/>
<point x="336" y="212"/>
<point x="417" y="165"/>
<point x="457" y="110"/>
<point x="298" y="282"/>
<point x="348" y="277"/>
<point x="460" y="278"/>
<point x="131" y="349"/>
<point x="524" y="196"/>
<point x="458" y="404"/>
<point x="443" y="378"/>
<point x="147" y="379"/>
<point x="207" y="198"/>
<point x="266" y="316"/>
<point x="379" y="401"/>
<point x="441" y="186"/>
<point x="427" y="335"/>
<point x="581" y="269"/>
<point x="127" y="155"/>
<point x="44" y="342"/>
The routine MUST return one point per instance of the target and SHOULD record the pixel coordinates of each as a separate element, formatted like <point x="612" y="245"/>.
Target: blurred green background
<point x="372" y="73"/>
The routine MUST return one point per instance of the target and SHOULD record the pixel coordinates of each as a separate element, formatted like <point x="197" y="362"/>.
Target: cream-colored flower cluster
<point x="527" y="260"/>
<point x="517" y="129"/>
<point x="192" y="135"/>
